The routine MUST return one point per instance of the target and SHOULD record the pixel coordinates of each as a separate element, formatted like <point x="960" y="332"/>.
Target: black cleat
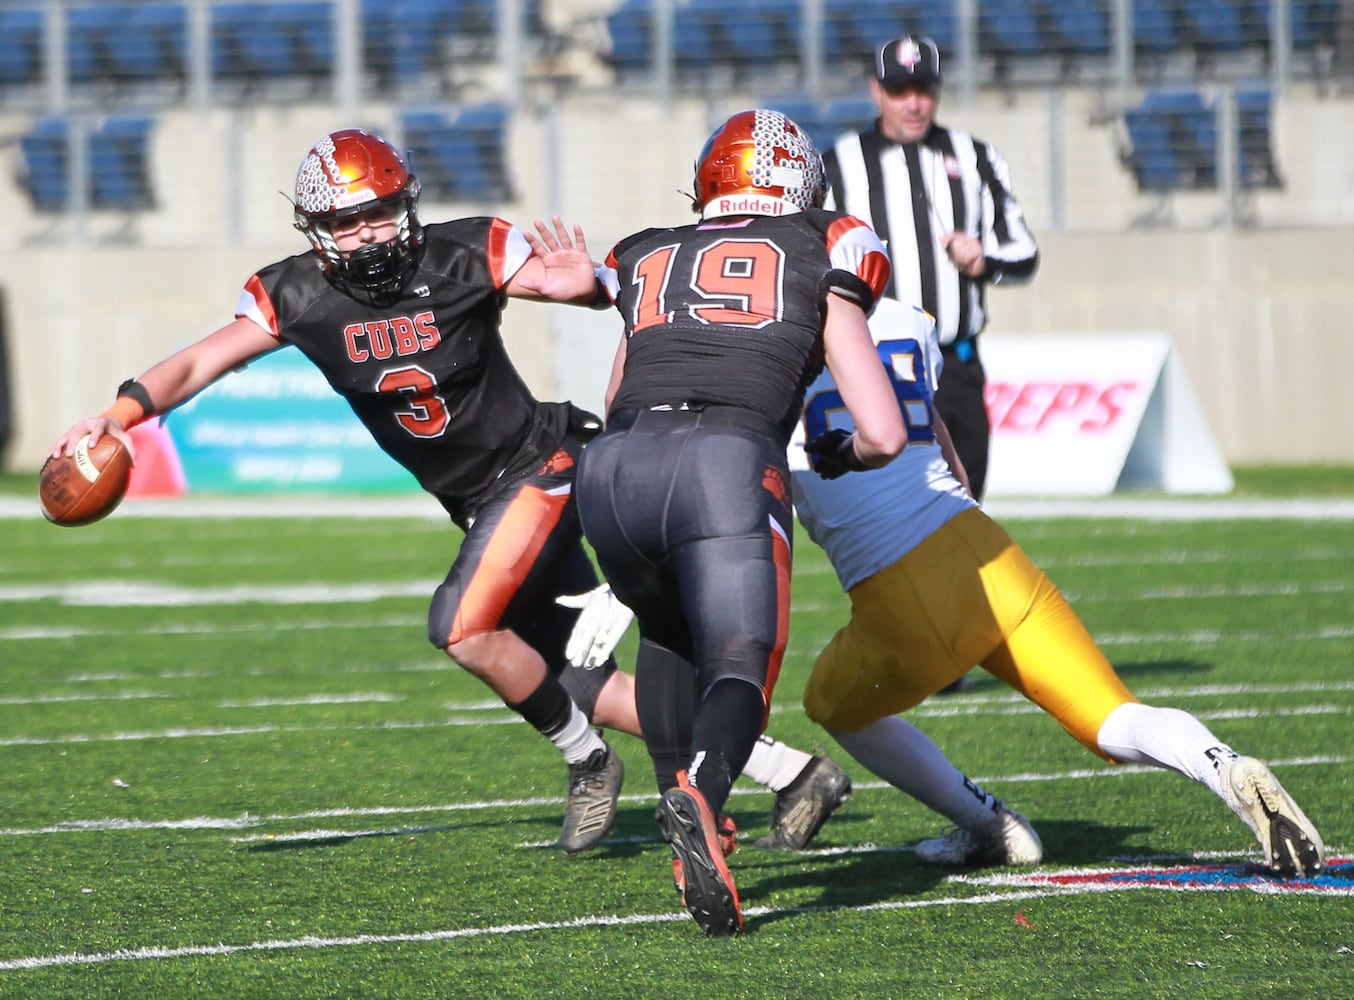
<point x="590" y="812"/>
<point x="698" y="855"/>
<point x="803" y="806"/>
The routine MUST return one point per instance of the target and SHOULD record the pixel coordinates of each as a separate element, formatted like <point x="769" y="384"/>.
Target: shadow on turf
<point x="890" y="873"/>
<point x="1148" y="668"/>
<point x="286" y="843"/>
<point x="981" y="682"/>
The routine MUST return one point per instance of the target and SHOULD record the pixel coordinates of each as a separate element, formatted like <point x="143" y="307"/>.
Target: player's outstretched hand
<point x="567" y="270"/>
<point x="602" y="620"/>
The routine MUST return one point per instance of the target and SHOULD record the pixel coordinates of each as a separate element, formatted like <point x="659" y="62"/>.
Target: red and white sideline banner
<point x="1085" y="415"/>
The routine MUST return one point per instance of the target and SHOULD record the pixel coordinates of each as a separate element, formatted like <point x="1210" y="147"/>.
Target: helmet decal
<point x="320" y="184"/>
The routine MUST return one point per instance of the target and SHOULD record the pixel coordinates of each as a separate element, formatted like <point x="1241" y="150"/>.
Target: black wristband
<point x="601" y="298"/>
<point x="134" y="390"/>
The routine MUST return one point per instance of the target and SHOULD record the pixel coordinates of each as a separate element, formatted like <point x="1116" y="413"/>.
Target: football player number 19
<point x="743" y="279"/>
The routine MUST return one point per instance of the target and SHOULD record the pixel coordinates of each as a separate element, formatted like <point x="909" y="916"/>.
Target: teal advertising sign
<point x="278" y="426"/>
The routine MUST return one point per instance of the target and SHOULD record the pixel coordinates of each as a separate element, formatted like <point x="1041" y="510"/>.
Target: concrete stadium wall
<point x="1258" y="315"/>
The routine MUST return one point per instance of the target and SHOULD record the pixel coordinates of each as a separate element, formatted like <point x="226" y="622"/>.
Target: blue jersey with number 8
<point x="911" y="496"/>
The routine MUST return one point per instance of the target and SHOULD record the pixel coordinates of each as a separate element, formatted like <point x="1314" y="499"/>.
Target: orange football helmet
<point x="353" y="171"/>
<point x="758" y="163"/>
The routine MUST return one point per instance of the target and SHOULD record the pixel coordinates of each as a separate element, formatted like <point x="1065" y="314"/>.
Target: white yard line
<point x="361" y="940"/>
<point x="312" y="942"/>
<point x="250" y="821"/>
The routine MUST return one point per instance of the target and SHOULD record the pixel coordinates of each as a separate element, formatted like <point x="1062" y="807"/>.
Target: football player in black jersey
<point x="403" y="320"/>
<point x="685" y="496"/>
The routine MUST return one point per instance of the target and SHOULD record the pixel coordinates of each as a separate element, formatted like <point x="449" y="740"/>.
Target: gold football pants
<point x="966" y="595"/>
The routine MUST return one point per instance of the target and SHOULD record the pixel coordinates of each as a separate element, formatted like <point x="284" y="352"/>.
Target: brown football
<point x="84" y="487"/>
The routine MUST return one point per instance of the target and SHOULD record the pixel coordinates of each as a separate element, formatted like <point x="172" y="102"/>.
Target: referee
<point x="941" y="201"/>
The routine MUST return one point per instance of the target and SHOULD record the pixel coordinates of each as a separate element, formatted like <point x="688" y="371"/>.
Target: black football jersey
<point x="731" y="312"/>
<point x="427" y="373"/>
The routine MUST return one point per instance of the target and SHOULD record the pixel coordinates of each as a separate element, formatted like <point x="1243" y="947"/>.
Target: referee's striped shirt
<point x="962" y="184"/>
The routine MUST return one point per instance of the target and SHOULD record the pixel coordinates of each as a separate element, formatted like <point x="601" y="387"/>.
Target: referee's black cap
<point x="907" y="60"/>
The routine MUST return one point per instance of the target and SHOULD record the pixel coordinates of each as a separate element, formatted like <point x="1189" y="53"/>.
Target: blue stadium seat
<point x="1167" y="134"/>
<point x="46" y="175"/>
<point x="127" y="42"/>
<point x="1154" y="29"/>
<point x="21" y="56"/>
<point x="405" y="40"/>
<point x="260" y="42"/>
<point x="1077" y="28"/>
<point x="631" y="26"/>
<point x="402" y="39"/>
<point x="1312" y="23"/>
<point x="460" y="156"/>
<point x="1151" y="155"/>
<point x="1009" y="29"/>
<point x="1255" y="151"/>
<point x="854" y="29"/>
<point x="1213" y="25"/>
<point x="119" y="163"/>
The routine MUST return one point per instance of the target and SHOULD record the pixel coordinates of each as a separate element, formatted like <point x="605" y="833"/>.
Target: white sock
<point x="1165" y="737"/>
<point x="576" y="739"/>
<point x="774" y="764"/>
<point x="905" y="757"/>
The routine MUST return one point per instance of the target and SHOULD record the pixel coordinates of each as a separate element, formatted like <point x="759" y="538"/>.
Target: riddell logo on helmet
<point x="347" y="199"/>
<point x="749" y="204"/>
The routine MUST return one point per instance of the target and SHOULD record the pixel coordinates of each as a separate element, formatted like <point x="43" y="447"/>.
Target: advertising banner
<point x="1085" y="415"/>
<point x="278" y="426"/>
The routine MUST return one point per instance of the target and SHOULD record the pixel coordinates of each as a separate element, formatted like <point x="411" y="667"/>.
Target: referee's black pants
<point x="959" y="399"/>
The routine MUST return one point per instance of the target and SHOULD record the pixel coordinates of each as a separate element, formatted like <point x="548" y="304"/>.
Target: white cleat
<point x="1291" y="844"/>
<point x="1009" y="840"/>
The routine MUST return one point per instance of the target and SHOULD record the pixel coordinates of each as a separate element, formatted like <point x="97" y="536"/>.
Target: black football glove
<point x="833" y="454"/>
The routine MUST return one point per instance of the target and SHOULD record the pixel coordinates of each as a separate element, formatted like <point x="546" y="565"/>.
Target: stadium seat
<point x="262" y="42"/>
<point x="1312" y="23"/>
<point x="45" y="174"/>
<point x="402" y="39"/>
<point x="21" y="57"/>
<point x="1154" y="29"/>
<point x="1213" y="25"/>
<point x="1151" y="156"/>
<point x="1076" y="28"/>
<point x="460" y="156"/>
<point x="630" y="27"/>
<point x="127" y="43"/>
<point x="119" y="163"/>
<point x="1173" y="140"/>
<point x="1192" y="122"/>
<point x="853" y="29"/>
<point x="1164" y="135"/>
<point x="1009" y="30"/>
<point x="1255" y="152"/>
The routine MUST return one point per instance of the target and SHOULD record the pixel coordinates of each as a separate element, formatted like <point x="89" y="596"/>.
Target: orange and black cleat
<point x="707" y="886"/>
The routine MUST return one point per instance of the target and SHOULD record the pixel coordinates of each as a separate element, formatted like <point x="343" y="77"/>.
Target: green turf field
<point x="234" y="768"/>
